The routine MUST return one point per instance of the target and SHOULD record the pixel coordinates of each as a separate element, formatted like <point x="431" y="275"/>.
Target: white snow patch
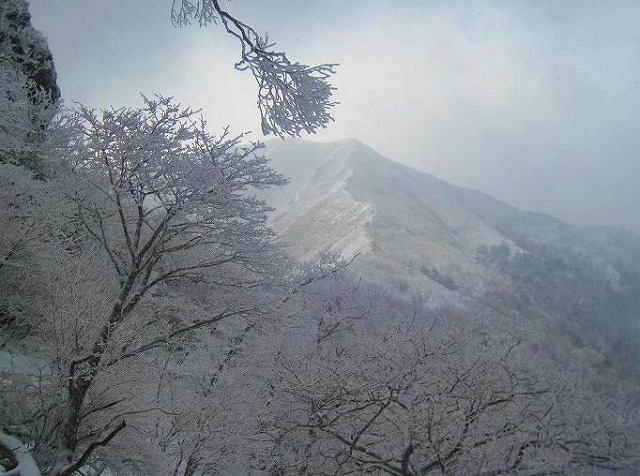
<point x="26" y="464"/>
<point x="318" y="214"/>
<point x="20" y="364"/>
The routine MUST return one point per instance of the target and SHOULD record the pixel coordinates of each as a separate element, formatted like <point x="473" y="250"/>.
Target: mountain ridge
<point x="461" y="248"/>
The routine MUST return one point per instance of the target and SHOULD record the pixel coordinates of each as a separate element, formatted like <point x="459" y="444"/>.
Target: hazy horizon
<point x="534" y="104"/>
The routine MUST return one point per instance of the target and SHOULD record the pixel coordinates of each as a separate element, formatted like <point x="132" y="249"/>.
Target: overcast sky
<point x="536" y="103"/>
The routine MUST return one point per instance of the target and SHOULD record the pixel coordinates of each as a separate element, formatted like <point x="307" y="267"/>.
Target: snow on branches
<point x="292" y="97"/>
<point x="166" y="202"/>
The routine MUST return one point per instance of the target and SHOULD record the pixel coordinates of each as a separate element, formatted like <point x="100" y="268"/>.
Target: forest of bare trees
<point x="151" y="325"/>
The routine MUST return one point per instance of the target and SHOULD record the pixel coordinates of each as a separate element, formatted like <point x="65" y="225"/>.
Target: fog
<point x="536" y="103"/>
<point x="171" y="305"/>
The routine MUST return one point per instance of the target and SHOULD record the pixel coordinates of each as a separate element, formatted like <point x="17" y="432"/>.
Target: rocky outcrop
<point x="25" y="48"/>
<point x="29" y="94"/>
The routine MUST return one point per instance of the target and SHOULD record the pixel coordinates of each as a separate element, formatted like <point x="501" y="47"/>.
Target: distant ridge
<point x="461" y="247"/>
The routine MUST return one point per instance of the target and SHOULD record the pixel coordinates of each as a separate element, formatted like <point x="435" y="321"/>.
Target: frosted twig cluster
<point x="292" y="97"/>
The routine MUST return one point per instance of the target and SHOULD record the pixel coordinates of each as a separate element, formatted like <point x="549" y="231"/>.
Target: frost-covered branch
<point x="393" y="407"/>
<point x="166" y="202"/>
<point x="292" y="97"/>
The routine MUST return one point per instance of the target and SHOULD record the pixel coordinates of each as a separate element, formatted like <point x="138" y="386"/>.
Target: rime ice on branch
<point x="292" y="97"/>
<point x="165" y="202"/>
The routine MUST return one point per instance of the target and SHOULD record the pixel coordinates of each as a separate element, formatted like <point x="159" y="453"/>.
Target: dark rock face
<point x="25" y="63"/>
<point x="25" y="48"/>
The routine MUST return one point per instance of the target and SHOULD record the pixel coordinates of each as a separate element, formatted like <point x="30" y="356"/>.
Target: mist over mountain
<point x="170" y="304"/>
<point x="462" y="249"/>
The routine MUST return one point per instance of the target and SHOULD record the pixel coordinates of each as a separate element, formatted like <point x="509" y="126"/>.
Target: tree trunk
<point x="192" y="464"/>
<point x="77" y="391"/>
<point x="80" y="378"/>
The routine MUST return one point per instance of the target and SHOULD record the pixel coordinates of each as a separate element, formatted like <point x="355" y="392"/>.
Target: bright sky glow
<point x="535" y="103"/>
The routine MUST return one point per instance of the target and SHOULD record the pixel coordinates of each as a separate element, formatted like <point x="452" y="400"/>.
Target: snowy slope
<point x="316" y="212"/>
<point x="460" y="248"/>
<point x="346" y="198"/>
<point x="349" y="171"/>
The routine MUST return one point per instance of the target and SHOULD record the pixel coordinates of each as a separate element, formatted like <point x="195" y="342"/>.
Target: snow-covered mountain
<point x="461" y="248"/>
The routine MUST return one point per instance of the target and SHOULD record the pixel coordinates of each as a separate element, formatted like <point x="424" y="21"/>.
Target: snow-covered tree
<point x="164" y="334"/>
<point x="164" y="202"/>
<point x="398" y="395"/>
<point x="155" y="201"/>
<point x="23" y="228"/>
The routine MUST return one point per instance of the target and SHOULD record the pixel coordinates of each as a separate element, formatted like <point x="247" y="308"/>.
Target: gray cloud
<point x="536" y="103"/>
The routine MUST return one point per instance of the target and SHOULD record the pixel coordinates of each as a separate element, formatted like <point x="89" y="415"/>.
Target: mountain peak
<point x="457" y="246"/>
<point x="316" y="212"/>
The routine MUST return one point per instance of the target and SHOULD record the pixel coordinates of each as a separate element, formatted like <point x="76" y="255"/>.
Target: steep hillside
<point x="502" y="267"/>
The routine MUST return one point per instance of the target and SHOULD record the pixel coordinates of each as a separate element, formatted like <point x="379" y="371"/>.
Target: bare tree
<point x="165" y="202"/>
<point x="215" y="432"/>
<point x="156" y="201"/>
<point x="412" y="401"/>
<point x="292" y="97"/>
